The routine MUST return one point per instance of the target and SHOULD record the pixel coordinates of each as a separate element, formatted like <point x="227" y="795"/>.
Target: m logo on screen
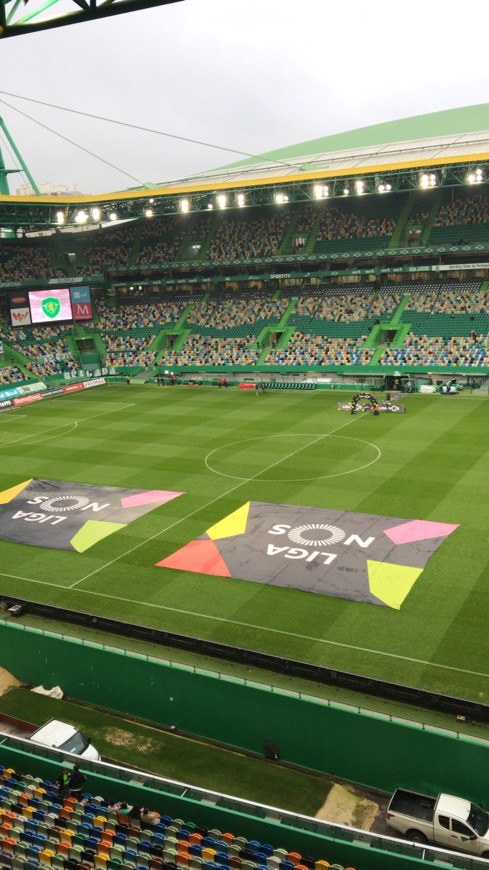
<point x="363" y="557"/>
<point x="72" y="516"/>
<point x="51" y="306"/>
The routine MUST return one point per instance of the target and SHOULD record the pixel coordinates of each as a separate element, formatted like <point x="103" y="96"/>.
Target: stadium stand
<point x="40" y="829"/>
<point x="20" y="261"/>
<point x="462" y="220"/>
<point x="160" y="241"/>
<point x="111" y="252"/>
<point x="248" y="237"/>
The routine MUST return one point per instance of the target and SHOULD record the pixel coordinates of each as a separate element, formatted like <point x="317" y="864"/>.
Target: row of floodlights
<point x="475" y="176"/>
<point x="320" y="191"/>
<point x="95" y="214"/>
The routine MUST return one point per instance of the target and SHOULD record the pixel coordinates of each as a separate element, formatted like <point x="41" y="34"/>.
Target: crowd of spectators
<point x="305" y="219"/>
<point x="160" y="241"/>
<point x="212" y="351"/>
<point x="462" y="301"/>
<point x="472" y="210"/>
<point x="147" y="315"/>
<point x="320" y="350"/>
<point x="422" y="299"/>
<point x="346" y="307"/>
<point x="45" y="348"/>
<point x="111" y="251"/>
<point x="227" y="312"/>
<point x="465" y="298"/>
<point x="338" y="224"/>
<point x="248" y="237"/>
<point x="418" y="216"/>
<point x="129" y="350"/>
<point x="21" y="262"/>
<point x="11" y="374"/>
<point x="423" y="350"/>
<point x="201" y="227"/>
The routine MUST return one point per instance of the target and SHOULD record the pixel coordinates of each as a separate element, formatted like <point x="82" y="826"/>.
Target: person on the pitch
<point x="376" y="409"/>
<point x="353" y="407"/>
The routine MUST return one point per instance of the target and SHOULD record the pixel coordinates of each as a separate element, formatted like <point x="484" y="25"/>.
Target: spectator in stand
<point x="76" y="782"/>
<point x="149" y="817"/>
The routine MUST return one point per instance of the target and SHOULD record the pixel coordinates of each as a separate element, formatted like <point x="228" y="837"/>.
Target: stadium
<point x="244" y="424"/>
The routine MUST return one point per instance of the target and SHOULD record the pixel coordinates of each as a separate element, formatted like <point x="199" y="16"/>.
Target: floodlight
<point x="320" y="191"/>
<point x="222" y="200"/>
<point x="346" y="191"/>
<point x="384" y="187"/>
<point x="210" y="206"/>
<point x="81" y="217"/>
<point x="60" y="217"/>
<point x="476" y="176"/>
<point x="360" y="186"/>
<point x="241" y="200"/>
<point x="112" y="216"/>
<point x="95" y="212"/>
<point x="281" y="198"/>
<point x="148" y="212"/>
<point x="151" y="201"/>
<point x="184" y="205"/>
<point x="426" y="180"/>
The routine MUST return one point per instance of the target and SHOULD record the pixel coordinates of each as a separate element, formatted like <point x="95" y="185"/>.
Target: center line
<point x="209" y="503"/>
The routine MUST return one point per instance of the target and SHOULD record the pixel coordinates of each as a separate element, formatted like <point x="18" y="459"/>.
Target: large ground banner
<point x="362" y="557"/>
<point x="71" y="516"/>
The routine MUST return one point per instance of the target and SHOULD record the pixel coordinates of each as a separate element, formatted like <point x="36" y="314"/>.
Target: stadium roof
<point x="453" y="145"/>
<point x="450" y="136"/>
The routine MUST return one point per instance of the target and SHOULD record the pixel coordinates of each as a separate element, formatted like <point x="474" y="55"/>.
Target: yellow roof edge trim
<point x="295" y="178"/>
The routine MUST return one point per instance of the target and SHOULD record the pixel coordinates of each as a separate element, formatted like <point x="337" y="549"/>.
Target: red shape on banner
<point x="200" y="556"/>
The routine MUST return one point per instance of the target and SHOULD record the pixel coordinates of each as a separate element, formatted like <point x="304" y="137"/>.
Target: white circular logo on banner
<point x="61" y="504"/>
<point x="312" y="535"/>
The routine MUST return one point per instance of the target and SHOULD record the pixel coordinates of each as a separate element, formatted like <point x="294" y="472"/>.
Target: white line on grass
<point x="268" y="630"/>
<point x="31" y="580"/>
<point x="6" y="419"/>
<point x="293" y="479"/>
<point x="203" y="507"/>
<point x="74" y="425"/>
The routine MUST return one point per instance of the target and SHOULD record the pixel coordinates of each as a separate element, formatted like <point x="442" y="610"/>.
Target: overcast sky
<point x="251" y="75"/>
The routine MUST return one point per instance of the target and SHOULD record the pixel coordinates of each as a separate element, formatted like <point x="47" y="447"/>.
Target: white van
<point x="60" y="735"/>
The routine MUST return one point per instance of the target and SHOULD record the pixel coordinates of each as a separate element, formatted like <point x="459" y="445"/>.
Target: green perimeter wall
<point x="366" y="748"/>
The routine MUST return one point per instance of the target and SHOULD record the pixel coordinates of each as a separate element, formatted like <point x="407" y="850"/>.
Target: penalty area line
<point x="39" y="436"/>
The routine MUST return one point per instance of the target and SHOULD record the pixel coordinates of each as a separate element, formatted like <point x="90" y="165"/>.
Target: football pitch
<point x="224" y="448"/>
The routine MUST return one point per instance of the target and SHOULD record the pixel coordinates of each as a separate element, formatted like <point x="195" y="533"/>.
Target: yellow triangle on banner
<point x="233" y="524"/>
<point x="92" y="532"/>
<point x="8" y="494"/>
<point x="391" y="583"/>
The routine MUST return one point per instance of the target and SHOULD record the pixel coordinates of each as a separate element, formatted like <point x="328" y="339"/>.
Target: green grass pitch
<point x="223" y="447"/>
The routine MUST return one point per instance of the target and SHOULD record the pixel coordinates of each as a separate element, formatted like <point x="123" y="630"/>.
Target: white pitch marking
<point x="31" y="580"/>
<point x="5" y="419"/>
<point x="74" y="425"/>
<point x="268" y="630"/>
<point x="293" y="479"/>
<point x="38" y="439"/>
<point x="212" y="501"/>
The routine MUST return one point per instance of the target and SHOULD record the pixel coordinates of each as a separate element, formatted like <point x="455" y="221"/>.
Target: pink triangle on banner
<point x="151" y="496"/>
<point x="419" y="530"/>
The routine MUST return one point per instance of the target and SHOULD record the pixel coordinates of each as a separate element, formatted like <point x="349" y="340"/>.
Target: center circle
<point x="375" y="451"/>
